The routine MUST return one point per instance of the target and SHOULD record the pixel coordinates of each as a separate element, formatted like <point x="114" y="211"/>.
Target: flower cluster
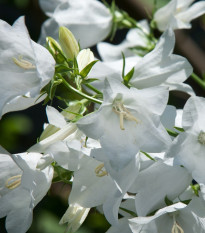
<point x="125" y="151"/>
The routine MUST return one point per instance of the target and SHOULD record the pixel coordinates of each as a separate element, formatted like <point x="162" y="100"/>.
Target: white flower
<point x="178" y="14"/>
<point x="48" y="6"/>
<point x="128" y="121"/>
<point x="189" y="147"/>
<point x="163" y="67"/>
<point x="134" y="38"/>
<point x="174" y="218"/>
<point x="32" y="186"/>
<point x="84" y="58"/>
<point x="25" y="67"/>
<point x="151" y="196"/>
<point x="89" y="20"/>
<point x="75" y="215"/>
<point x="10" y="173"/>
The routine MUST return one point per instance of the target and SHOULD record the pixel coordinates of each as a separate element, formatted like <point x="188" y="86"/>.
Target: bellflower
<point x="177" y="14"/>
<point x="151" y="196"/>
<point x="96" y="18"/>
<point x="128" y="121"/>
<point x="26" y="190"/>
<point x="163" y="67"/>
<point x="25" y="67"/>
<point x="174" y="218"/>
<point x="189" y="147"/>
<point x="134" y="38"/>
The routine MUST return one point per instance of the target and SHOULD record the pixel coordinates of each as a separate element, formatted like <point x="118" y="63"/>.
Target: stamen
<point x="23" y="63"/>
<point x="13" y="182"/>
<point x="119" y="108"/>
<point x="176" y="228"/>
<point x="201" y="137"/>
<point x="99" y="170"/>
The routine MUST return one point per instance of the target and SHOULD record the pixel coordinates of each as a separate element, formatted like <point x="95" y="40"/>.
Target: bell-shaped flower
<point x="178" y="14"/>
<point x="128" y="121"/>
<point x="174" y="218"/>
<point x="171" y="184"/>
<point x="25" y="67"/>
<point x="75" y="215"/>
<point x="163" y="67"/>
<point x="189" y="147"/>
<point x="90" y="21"/>
<point x="134" y="38"/>
<point x="26" y="190"/>
<point x="93" y="185"/>
<point x="10" y="173"/>
<point x="48" y="6"/>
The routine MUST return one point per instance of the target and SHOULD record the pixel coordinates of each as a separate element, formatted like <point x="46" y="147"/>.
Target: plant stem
<point x="80" y="93"/>
<point x="198" y="80"/>
<point x="91" y="87"/>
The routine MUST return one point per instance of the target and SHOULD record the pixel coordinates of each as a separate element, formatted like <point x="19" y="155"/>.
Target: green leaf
<point x="167" y="201"/>
<point x="87" y="69"/>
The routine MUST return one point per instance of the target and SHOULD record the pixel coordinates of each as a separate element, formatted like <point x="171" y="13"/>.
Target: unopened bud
<point x="68" y="43"/>
<point x="84" y="57"/>
<point x="55" y="49"/>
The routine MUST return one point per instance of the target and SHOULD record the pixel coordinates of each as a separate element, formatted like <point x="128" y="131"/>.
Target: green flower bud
<point x="68" y="43"/>
<point x="55" y="49"/>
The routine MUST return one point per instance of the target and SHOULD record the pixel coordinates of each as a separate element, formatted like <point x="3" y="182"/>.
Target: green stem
<point x="91" y="87"/>
<point x="80" y="93"/>
<point x="198" y="80"/>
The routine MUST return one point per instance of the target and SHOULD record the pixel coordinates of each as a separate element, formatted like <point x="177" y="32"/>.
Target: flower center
<point x="201" y="138"/>
<point x="13" y="182"/>
<point x="23" y="63"/>
<point x="176" y="228"/>
<point x="99" y="170"/>
<point x="120" y="109"/>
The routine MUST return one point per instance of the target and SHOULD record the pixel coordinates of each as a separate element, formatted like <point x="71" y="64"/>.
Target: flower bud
<point x="84" y="57"/>
<point x="55" y="49"/>
<point x="68" y="43"/>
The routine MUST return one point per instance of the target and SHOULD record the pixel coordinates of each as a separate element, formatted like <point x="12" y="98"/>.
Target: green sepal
<point x="168" y="201"/>
<point x="179" y="129"/>
<point x="128" y="76"/>
<point x="87" y="69"/>
<point x="186" y="201"/>
<point x="196" y="188"/>
<point x="172" y="133"/>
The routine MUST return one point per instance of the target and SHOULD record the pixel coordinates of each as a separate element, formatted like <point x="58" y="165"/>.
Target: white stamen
<point x="23" y="63"/>
<point x="99" y="170"/>
<point x="176" y="228"/>
<point x="13" y="182"/>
